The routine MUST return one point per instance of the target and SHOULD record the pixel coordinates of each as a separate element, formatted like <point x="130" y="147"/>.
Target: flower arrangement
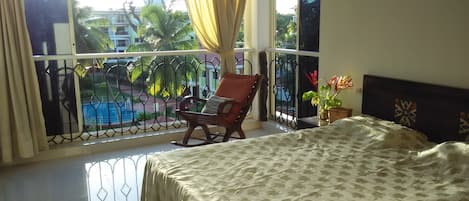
<point x="326" y="96"/>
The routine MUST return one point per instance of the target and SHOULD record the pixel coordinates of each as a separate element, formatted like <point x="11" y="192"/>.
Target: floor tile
<point x="98" y="177"/>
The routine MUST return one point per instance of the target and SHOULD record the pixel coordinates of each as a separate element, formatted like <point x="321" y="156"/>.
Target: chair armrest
<point x="198" y="113"/>
<point x="184" y="104"/>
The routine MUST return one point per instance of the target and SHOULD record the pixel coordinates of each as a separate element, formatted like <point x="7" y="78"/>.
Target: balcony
<point x="122" y="33"/>
<point x="287" y="84"/>
<point x="92" y="96"/>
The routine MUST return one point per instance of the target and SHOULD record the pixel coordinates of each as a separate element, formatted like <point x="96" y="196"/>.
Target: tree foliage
<point x="88" y="37"/>
<point x="165" y="29"/>
<point x="286" y="31"/>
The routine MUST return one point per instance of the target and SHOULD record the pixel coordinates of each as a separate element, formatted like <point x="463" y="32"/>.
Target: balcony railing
<point x="90" y="96"/>
<point x="288" y="82"/>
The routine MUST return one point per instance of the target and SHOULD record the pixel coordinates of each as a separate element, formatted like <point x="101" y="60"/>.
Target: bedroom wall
<point x="420" y="40"/>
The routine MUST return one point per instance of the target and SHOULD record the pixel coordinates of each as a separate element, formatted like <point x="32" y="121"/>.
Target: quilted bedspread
<point x="358" y="158"/>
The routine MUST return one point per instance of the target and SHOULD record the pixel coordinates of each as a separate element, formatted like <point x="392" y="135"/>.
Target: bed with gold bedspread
<point x="353" y="159"/>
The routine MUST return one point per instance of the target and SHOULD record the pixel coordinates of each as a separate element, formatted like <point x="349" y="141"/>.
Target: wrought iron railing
<point x="117" y="178"/>
<point x="90" y="96"/>
<point x="288" y="82"/>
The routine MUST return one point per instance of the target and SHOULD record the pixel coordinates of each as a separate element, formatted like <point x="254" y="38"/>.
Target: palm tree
<point x="164" y="29"/>
<point x="286" y="34"/>
<point x="89" y="38"/>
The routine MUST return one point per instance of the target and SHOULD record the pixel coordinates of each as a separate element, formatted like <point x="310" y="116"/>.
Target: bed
<point x="365" y="157"/>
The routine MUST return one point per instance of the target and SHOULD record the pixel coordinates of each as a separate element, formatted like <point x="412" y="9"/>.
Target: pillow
<point x="447" y="159"/>
<point x="382" y="134"/>
<point x="211" y="106"/>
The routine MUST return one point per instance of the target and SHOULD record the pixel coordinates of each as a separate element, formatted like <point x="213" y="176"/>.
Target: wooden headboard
<point x="441" y="112"/>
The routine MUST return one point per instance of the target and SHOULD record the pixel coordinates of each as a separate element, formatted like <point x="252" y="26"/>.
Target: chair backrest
<point x="242" y="88"/>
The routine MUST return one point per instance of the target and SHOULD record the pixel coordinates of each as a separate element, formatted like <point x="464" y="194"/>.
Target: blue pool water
<point x="107" y="113"/>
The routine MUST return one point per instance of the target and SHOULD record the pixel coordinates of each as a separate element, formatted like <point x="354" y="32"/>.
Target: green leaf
<point x="154" y="89"/>
<point x="99" y="63"/>
<point x="324" y="88"/>
<point x="135" y="74"/>
<point x="333" y="103"/>
<point x="140" y="47"/>
<point x="181" y="90"/>
<point x="96" y="22"/>
<point x="315" y="100"/>
<point x="308" y="95"/>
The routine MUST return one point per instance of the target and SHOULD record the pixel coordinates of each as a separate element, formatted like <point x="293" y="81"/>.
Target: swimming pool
<point x="107" y="113"/>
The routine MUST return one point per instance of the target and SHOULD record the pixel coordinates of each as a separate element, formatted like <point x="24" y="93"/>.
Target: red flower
<point x="326" y="96"/>
<point x="333" y="82"/>
<point x="312" y="77"/>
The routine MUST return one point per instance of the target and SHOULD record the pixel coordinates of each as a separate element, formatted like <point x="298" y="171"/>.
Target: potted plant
<point x="326" y="96"/>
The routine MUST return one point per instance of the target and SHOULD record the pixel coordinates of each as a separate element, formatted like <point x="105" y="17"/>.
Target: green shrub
<point x="86" y="93"/>
<point x="86" y="83"/>
<point x="102" y="84"/>
<point x="145" y="116"/>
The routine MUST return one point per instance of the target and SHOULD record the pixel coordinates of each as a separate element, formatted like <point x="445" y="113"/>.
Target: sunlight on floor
<point x="98" y="177"/>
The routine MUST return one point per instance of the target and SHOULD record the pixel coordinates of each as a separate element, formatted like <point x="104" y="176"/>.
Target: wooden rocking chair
<point x="236" y="93"/>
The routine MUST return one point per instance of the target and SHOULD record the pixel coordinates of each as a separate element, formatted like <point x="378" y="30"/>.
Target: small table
<point x="311" y="122"/>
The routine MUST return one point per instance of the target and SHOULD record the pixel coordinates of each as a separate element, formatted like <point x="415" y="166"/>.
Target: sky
<point x="117" y="4"/>
<point x="283" y="6"/>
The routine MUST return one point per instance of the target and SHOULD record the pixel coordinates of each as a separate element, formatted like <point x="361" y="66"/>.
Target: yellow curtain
<point x="216" y="23"/>
<point x="22" y="128"/>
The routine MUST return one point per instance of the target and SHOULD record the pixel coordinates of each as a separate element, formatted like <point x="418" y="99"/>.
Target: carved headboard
<point x="441" y="112"/>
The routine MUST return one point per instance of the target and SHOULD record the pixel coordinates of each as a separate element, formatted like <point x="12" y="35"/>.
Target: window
<point x="121" y="43"/>
<point x="139" y="40"/>
<point x="288" y="34"/>
<point x="121" y="31"/>
<point x="121" y="19"/>
<point x="308" y="30"/>
<point x="97" y="23"/>
<point x="297" y="28"/>
<point x="286" y="29"/>
<point x="98" y="26"/>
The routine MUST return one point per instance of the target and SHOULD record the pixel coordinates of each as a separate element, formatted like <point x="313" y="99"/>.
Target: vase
<point x="323" y="114"/>
<point x="336" y="113"/>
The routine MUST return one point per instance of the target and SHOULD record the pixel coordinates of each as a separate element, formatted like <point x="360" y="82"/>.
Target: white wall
<point x="258" y="34"/>
<point x="420" y="40"/>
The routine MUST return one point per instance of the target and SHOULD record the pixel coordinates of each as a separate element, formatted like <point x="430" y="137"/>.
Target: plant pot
<point x="323" y="114"/>
<point x="337" y="113"/>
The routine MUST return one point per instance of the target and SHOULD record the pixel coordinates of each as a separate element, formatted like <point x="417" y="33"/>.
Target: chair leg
<point x="231" y="130"/>
<point x="207" y="133"/>
<point x="188" y="134"/>
<point x="228" y="133"/>
<point x="241" y="133"/>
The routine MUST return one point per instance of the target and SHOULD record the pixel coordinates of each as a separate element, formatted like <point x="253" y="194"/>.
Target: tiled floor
<point x="106" y="176"/>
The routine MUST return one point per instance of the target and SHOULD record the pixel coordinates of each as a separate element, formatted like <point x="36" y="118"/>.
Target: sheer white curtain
<point x="22" y="128"/>
<point x="216" y="23"/>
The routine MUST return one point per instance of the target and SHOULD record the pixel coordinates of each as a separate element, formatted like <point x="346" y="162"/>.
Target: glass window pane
<point x="286" y="31"/>
<point x="309" y="25"/>
<point x="132" y="25"/>
<point x="148" y="25"/>
<point x="44" y="25"/>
